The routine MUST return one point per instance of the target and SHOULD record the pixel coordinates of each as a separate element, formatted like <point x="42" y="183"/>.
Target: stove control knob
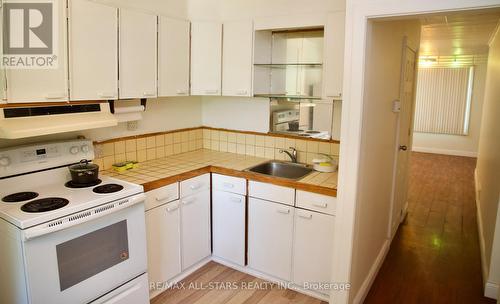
<point x="4" y="161"/>
<point x="85" y="149"/>
<point x="74" y="150"/>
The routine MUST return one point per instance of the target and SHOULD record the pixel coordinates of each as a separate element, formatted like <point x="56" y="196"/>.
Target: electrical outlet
<point x="132" y="125"/>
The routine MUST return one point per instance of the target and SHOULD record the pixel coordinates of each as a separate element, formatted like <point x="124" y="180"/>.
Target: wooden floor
<point x="435" y="255"/>
<point x="229" y="287"/>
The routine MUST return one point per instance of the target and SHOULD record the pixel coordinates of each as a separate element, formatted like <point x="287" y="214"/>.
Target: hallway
<point x="435" y="257"/>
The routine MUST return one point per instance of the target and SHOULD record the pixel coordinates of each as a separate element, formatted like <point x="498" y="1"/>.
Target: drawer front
<point x="316" y="202"/>
<point x="195" y="185"/>
<point x="271" y="192"/>
<point x="229" y="184"/>
<point x="160" y="196"/>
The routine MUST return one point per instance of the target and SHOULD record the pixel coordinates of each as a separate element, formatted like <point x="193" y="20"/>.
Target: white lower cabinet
<point x="228" y="216"/>
<point x="270" y="234"/>
<point x="312" y="248"/>
<point x="195" y="228"/>
<point x="164" y="242"/>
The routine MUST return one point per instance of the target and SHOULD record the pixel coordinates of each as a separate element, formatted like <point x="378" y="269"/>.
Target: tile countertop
<point x="163" y="171"/>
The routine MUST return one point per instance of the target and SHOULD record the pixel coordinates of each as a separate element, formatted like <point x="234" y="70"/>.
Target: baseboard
<point x="491" y="290"/>
<point x="365" y="287"/>
<point x="444" y="151"/>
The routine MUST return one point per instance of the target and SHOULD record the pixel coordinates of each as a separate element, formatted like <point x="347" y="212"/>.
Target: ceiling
<point x="458" y="33"/>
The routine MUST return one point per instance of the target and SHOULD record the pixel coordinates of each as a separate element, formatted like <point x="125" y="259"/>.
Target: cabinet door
<point x="44" y="84"/>
<point x="270" y="229"/>
<point x="228" y="214"/>
<point x="237" y="59"/>
<point x="195" y="228"/>
<point x="334" y="55"/>
<point x="93" y="46"/>
<point x="137" y="54"/>
<point x="206" y="53"/>
<point x="173" y="57"/>
<point x="164" y="243"/>
<point x="312" y="249"/>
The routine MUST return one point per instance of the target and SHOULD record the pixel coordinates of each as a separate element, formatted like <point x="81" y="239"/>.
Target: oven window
<point x="89" y="254"/>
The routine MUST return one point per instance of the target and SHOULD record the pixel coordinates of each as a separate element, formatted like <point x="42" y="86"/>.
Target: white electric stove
<point x="68" y="243"/>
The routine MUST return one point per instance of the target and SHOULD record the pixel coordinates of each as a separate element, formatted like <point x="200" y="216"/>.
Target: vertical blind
<point x="443" y="100"/>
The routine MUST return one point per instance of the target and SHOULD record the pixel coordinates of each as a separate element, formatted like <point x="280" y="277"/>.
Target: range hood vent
<point x="25" y="122"/>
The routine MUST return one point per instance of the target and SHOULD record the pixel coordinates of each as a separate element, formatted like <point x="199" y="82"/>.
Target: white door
<point x="3" y="83"/>
<point x="164" y="242"/>
<point x="228" y="215"/>
<point x="195" y="228"/>
<point x="404" y="138"/>
<point x="206" y="58"/>
<point x="44" y="84"/>
<point x="312" y="247"/>
<point x="173" y="57"/>
<point x="270" y="229"/>
<point x="237" y="58"/>
<point x="333" y="74"/>
<point x="93" y="47"/>
<point x="137" y="57"/>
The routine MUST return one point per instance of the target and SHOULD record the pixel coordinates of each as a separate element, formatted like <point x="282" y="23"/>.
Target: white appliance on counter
<point x="66" y="243"/>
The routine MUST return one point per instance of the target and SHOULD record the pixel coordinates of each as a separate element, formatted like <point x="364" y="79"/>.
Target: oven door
<point x="85" y="261"/>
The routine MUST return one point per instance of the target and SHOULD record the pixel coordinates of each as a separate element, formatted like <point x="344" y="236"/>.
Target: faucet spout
<point x="292" y="155"/>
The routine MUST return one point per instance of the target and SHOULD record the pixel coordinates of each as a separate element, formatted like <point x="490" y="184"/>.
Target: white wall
<point x="383" y="74"/>
<point x="455" y="144"/>
<point x="488" y="171"/>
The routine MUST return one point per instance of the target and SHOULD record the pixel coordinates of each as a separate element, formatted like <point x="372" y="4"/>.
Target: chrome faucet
<point x="293" y="154"/>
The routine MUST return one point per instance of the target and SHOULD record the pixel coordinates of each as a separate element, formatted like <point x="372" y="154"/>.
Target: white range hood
<point x="28" y="122"/>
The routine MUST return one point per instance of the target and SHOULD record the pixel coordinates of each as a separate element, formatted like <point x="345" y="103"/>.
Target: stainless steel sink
<point x="281" y="169"/>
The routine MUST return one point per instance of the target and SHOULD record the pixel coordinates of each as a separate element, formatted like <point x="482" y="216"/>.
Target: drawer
<point x="317" y="202"/>
<point x="194" y="185"/>
<point x="271" y="192"/>
<point x="232" y="184"/>
<point x="160" y="196"/>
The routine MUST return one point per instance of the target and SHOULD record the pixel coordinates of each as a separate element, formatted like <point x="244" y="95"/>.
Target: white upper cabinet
<point x="206" y="58"/>
<point x="93" y="51"/>
<point x="137" y="56"/>
<point x="334" y="55"/>
<point x="173" y="57"/>
<point x="237" y="58"/>
<point x="43" y="84"/>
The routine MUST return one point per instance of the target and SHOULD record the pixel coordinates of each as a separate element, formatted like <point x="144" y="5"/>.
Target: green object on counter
<point x="124" y="166"/>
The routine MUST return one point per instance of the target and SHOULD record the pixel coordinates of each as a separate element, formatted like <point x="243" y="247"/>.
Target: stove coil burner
<point x="44" y="204"/>
<point x="74" y="185"/>
<point x="19" y="197"/>
<point x="108" y="188"/>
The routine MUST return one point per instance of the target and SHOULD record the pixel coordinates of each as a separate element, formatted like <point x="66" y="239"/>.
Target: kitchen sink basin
<point x="282" y="169"/>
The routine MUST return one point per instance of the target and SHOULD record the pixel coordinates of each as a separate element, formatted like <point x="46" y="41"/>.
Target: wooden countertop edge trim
<point x="243" y="174"/>
<point x="113" y="140"/>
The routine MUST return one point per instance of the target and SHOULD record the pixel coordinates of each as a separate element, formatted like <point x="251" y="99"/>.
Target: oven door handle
<point x="82" y="216"/>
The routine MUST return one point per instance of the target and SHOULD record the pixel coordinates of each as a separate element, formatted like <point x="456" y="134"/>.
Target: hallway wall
<point x="488" y="174"/>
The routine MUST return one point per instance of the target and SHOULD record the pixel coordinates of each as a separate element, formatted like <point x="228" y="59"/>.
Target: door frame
<point x="357" y="15"/>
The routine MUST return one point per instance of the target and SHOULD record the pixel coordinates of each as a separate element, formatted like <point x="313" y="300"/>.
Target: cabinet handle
<point x="242" y="92"/>
<point x="148" y="94"/>
<point x="55" y="95"/>
<point x="228" y="185"/>
<point x="306" y="216"/>
<point x="163" y="198"/>
<point x="170" y="209"/>
<point x="321" y="205"/>
<point x="181" y="92"/>
<point x="236" y="199"/>
<point x="187" y="202"/>
<point x="211" y="91"/>
<point x="195" y="187"/>
<point x="106" y="95"/>
<point x="284" y="211"/>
